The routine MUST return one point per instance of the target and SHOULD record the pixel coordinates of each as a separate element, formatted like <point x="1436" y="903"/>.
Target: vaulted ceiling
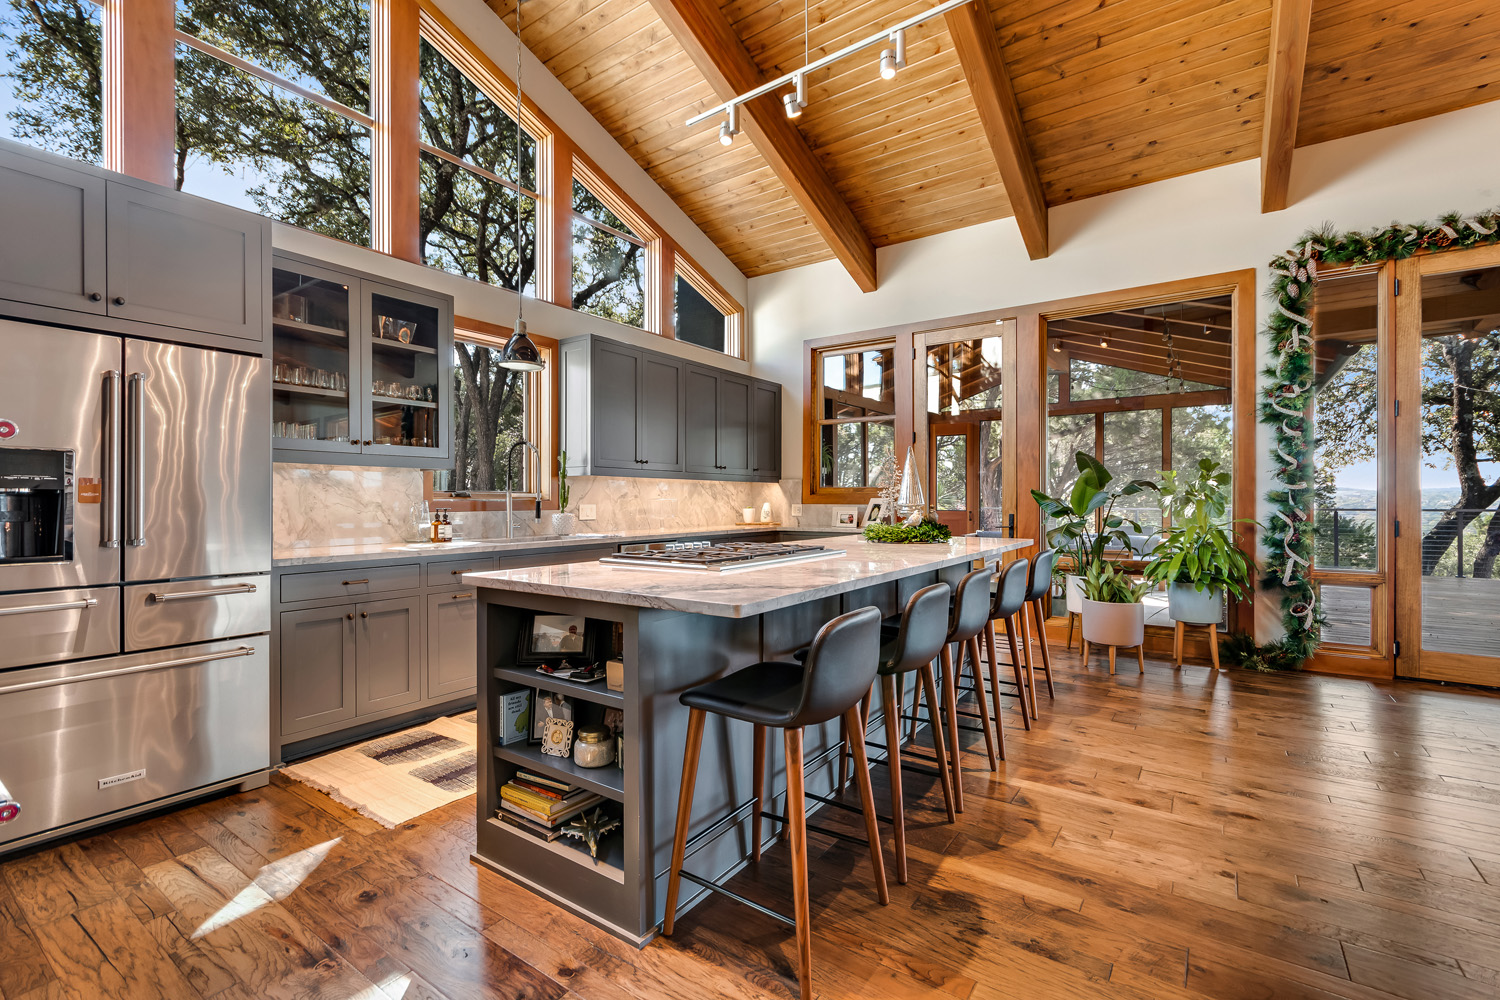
<point x="1103" y="95"/>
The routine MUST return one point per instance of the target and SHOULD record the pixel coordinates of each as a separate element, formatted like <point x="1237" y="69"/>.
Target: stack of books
<point x="540" y="806"/>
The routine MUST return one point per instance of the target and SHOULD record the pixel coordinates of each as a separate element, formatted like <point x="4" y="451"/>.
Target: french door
<point x="953" y="471"/>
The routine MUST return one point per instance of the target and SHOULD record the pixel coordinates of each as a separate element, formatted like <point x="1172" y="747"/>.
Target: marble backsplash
<point x="317" y="505"/>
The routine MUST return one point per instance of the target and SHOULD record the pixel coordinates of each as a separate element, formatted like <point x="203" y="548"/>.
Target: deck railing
<point x="1340" y="517"/>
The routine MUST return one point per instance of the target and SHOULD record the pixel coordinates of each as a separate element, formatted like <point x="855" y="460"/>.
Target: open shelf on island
<point x="596" y="693"/>
<point x="397" y="345"/>
<point x="292" y="326"/>
<point x="608" y="781"/>
<point x="611" y="860"/>
<point x="308" y="390"/>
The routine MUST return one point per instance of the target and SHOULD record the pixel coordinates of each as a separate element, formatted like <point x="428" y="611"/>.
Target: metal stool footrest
<point x="715" y="887"/>
<point x="840" y="805"/>
<point x="821" y="829"/>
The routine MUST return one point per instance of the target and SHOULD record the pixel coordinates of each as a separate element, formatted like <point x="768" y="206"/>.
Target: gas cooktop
<point x="725" y="557"/>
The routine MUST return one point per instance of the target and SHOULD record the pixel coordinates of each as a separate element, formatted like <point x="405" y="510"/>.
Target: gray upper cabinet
<point x="138" y="258"/>
<point x="53" y="254"/>
<point x="765" y="431"/>
<point x="179" y="261"/>
<point x="630" y="411"/>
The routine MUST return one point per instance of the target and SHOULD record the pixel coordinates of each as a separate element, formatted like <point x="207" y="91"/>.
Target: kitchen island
<point x="672" y="629"/>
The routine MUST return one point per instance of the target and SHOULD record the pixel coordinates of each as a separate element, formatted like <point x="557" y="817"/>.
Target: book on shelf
<point x="512" y="792"/>
<point x="552" y="793"/>
<point x="550" y="819"/>
<point x="537" y="779"/>
<point x="530" y="826"/>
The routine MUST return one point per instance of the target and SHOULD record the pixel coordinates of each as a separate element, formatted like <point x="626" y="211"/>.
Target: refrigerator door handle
<point x="87" y="602"/>
<point x="123" y="671"/>
<point x="110" y="488"/>
<point x="182" y="595"/>
<point x="135" y="479"/>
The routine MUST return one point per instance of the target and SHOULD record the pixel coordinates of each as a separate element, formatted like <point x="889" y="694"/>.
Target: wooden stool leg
<point x="950" y="708"/>
<point x="1177" y="644"/>
<point x="945" y="773"/>
<point x="1213" y="644"/>
<point x="1017" y="666"/>
<point x="796" y="814"/>
<point x="1140" y="655"/>
<point x="867" y="804"/>
<point x="989" y="638"/>
<point x="685" y="811"/>
<point x="1024" y="668"/>
<point x="758" y="770"/>
<point x="890" y="697"/>
<point x="995" y="694"/>
<point x="1041" y="637"/>
<point x="971" y="645"/>
<point x="1111" y="660"/>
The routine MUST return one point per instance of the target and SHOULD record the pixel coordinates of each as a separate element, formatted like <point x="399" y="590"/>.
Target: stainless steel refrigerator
<point x="135" y="558"/>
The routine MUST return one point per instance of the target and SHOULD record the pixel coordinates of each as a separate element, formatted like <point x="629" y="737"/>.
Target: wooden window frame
<point x="685" y="267"/>
<point x="812" y="490"/>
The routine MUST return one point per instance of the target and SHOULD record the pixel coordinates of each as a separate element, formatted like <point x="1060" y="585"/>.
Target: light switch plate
<point x="587" y="512"/>
<point x="796" y="510"/>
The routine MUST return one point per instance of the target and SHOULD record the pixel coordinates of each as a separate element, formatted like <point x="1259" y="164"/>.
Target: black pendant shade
<point x="520" y="353"/>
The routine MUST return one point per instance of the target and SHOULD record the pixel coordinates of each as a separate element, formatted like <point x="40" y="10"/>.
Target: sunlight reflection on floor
<point x="276" y="880"/>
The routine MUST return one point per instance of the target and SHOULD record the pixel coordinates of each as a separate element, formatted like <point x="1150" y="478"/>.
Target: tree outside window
<point x="609" y="260"/>
<point x="493" y="409"/>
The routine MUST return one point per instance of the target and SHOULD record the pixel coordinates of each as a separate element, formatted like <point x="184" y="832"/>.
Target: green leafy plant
<point x="927" y="531"/>
<point x="562" y="480"/>
<point x="1094" y="496"/>
<point x="1106" y="582"/>
<point x="1200" y="549"/>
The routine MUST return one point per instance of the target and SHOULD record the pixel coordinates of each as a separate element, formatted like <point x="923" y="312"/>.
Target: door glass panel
<point x="1066" y="437"/>
<point x="404" y="372"/>
<point x="1347" y="610"/>
<point x="856" y="416"/>
<point x="1460" y="468"/>
<point x="1132" y="450"/>
<point x="310" y="364"/>
<point x="963" y="384"/>
<point x="1346" y="402"/>
<point x="952" y="489"/>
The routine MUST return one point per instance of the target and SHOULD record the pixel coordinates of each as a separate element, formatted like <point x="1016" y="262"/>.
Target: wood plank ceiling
<point x="1110" y="93"/>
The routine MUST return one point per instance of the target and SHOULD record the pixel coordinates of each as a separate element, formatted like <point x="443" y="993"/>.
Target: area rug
<point x="400" y="776"/>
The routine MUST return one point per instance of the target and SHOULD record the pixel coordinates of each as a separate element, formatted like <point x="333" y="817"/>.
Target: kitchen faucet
<point x="510" y="457"/>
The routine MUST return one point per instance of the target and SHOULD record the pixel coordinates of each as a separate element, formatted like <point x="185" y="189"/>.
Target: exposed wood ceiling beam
<point x="709" y="40"/>
<point x="978" y="49"/>
<point x="1290" y="21"/>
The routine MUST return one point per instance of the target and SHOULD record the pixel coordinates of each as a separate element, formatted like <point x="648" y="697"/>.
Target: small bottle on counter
<point x="435" y="529"/>
<point x="447" y="526"/>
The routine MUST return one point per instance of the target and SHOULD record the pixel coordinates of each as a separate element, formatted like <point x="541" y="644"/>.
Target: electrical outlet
<point x="587" y="512"/>
<point x="796" y="510"/>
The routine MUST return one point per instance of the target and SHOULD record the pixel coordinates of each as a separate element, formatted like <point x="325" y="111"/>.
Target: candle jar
<point x="593" y="746"/>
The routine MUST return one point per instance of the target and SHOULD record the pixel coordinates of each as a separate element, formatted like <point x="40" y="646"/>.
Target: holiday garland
<point x="1287" y="400"/>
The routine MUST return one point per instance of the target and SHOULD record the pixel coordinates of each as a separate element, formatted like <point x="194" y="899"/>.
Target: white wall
<point x="496" y="305"/>
<point x="1203" y="223"/>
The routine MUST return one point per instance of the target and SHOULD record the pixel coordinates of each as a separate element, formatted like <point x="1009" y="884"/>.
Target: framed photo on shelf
<point x="846" y="517"/>
<point x="556" y="639"/>
<point x="875" y="512"/>
<point x="548" y="705"/>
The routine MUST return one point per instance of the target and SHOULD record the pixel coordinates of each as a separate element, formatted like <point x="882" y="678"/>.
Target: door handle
<point x="182" y="595"/>
<point x="110" y="488"/>
<point x="87" y="602"/>
<point x="135" y="459"/>
<point x="123" y="671"/>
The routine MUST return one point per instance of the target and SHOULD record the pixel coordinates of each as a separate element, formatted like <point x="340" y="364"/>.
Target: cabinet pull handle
<point x="364" y="614"/>
<point x="95" y="297"/>
<point x="350" y="616"/>
<point x="181" y="595"/>
<point x="367" y="443"/>
<point x="119" y="300"/>
<point x="355" y="583"/>
<point x="464" y="597"/>
<point x="87" y="602"/>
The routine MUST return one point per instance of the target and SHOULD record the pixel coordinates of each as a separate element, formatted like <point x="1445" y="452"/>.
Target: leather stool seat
<point x="767" y="694"/>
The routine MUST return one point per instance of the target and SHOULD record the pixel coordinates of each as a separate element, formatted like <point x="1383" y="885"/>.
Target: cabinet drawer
<point x="449" y="572"/>
<point x="173" y="614"/>
<point x="358" y="582"/>
<point x="44" y="627"/>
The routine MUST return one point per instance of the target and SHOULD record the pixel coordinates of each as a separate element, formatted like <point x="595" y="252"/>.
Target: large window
<point x="856" y="417"/>
<point x="609" y="262"/>
<point x="51" y="76"/>
<point x="494" y="408"/>
<point x="478" y="182"/>
<point x="273" y="100"/>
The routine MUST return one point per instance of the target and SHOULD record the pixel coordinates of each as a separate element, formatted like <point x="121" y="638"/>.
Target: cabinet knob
<point x="350" y="616"/>
<point x="119" y="300"/>
<point x="95" y="297"/>
<point x="364" y="614"/>
<point x="367" y="443"/>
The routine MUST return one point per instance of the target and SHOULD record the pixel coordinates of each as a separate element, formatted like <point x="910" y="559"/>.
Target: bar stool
<point x="840" y="667"/>
<point x="1008" y="602"/>
<point x="912" y="646"/>
<point x="970" y="613"/>
<point x="1037" y="585"/>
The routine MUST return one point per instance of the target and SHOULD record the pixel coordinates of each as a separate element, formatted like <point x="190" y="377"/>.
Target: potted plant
<point x="563" y="523"/>
<point x="1113" y="614"/>
<point x="1094" y="496"/>
<point x="1198" y="559"/>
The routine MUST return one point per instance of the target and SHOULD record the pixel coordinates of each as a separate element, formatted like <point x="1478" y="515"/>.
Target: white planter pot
<point x="564" y="524"/>
<point x="1195" y="607"/>
<point x="1073" y="588"/>
<point x="1107" y="624"/>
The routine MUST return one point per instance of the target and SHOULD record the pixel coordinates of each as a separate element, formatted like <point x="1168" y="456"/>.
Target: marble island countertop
<point x="746" y="593"/>
<point x="313" y="555"/>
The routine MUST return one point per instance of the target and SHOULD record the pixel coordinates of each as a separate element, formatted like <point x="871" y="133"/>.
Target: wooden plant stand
<point x="1140" y="655"/>
<point x="1213" y="643"/>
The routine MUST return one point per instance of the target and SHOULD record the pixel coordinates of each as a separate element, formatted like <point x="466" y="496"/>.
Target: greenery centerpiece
<point x="1198" y="559"/>
<point x="1092" y="499"/>
<point x="926" y="530"/>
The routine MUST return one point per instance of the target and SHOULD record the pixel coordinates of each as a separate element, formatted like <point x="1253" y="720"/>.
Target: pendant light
<point x="520" y="354"/>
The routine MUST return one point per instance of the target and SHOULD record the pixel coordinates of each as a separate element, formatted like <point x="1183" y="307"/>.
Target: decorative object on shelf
<point x="909" y="496"/>
<point x="405" y="332"/>
<point x="556" y="639"/>
<point x="548" y="705"/>
<point x="765" y="512"/>
<point x="557" y="737"/>
<point x="515" y="715"/>
<point x="591" y="827"/>
<point x="1286" y="405"/>
<point x="593" y="746"/>
<point x="563" y="523"/>
<point x="614" y="675"/>
<point x="747" y="515"/>
<point x="875" y="512"/>
<point x="847" y="517"/>
<point x="924" y="531"/>
<point x="1198" y="559"/>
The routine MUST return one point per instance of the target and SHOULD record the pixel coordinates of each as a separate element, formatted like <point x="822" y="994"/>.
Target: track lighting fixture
<point x="895" y="58"/>
<point x="797" y="100"/>
<point x="730" y="127"/>
<point x="726" y="137"/>
<point x="1057" y="347"/>
<point x="1103" y="341"/>
<point x="887" y="64"/>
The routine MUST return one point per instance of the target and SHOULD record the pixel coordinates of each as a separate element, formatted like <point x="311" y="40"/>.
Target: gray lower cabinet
<point x="451" y="644"/>
<point x="317" y="661"/>
<point x="388" y="658"/>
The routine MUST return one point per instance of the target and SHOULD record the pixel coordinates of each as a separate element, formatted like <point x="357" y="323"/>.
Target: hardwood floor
<point x="1173" y="835"/>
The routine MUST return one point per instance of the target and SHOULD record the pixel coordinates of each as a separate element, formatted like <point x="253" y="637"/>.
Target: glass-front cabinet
<point x="362" y="368"/>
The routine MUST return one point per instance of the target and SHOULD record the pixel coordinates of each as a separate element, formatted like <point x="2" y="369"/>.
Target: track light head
<point x="726" y="137"/>
<point x="730" y="127"/>
<point x="1103" y="341"/>
<point x="887" y="64"/>
<point x="793" y="106"/>
<point x="1057" y="347"/>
